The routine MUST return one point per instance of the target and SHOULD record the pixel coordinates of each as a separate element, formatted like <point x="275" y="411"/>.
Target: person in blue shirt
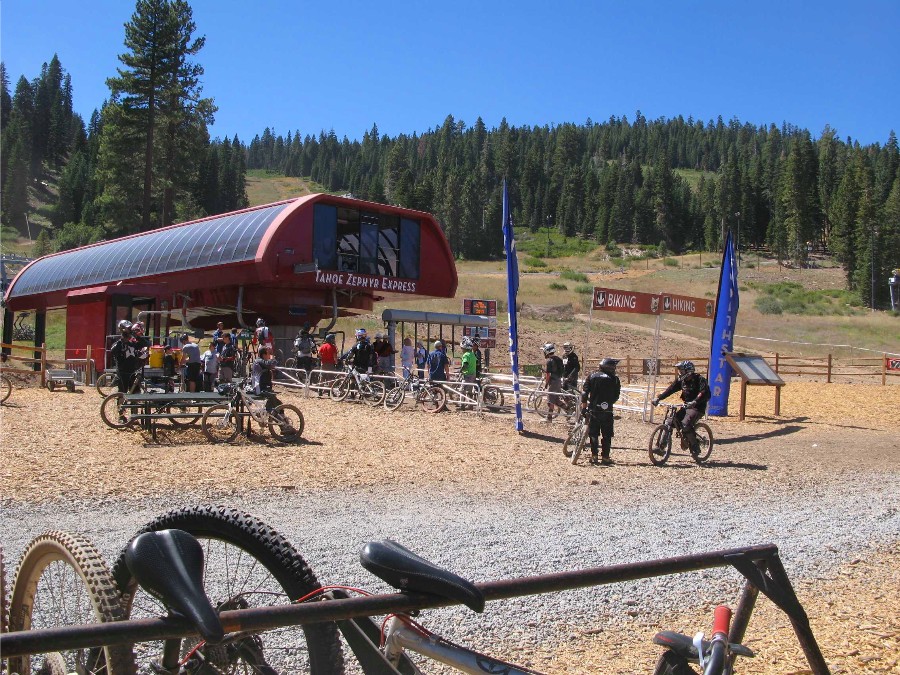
<point x="438" y="363"/>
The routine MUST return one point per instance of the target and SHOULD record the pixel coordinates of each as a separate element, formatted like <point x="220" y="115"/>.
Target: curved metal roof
<point x="214" y="241"/>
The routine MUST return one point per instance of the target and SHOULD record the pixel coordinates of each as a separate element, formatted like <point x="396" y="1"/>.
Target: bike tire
<point x="394" y="398"/>
<point x="580" y="442"/>
<point x="286" y="423"/>
<point x="571" y="440"/>
<point x="107" y="383"/>
<point x="5" y="388"/>
<point x="57" y="560"/>
<point x="372" y="393"/>
<point x="290" y="362"/>
<point x="340" y="390"/>
<point x="432" y="399"/>
<point x="242" y="553"/>
<point x="112" y="413"/>
<point x="705" y="438"/>
<point x="492" y="398"/>
<point x="670" y="663"/>
<point x="219" y="423"/>
<point x="659" y="451"/>
<point x="4" y="613"/>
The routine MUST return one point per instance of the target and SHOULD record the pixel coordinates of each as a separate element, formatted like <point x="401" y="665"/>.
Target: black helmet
<point x="329" y="337"/>
<point x="124" y="325"/>
<point x="608" y="365"/>
<point x="685" y="368"/>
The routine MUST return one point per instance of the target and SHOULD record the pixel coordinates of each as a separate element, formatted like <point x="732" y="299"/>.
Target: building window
<point x="366" y="242"/>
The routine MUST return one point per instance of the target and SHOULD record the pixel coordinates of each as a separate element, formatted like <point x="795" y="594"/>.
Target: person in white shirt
<point x="407" y="355"/>
<point x="210" y="367"/>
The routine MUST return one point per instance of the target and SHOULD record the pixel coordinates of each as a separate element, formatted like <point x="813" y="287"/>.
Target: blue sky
<point x="297" y="65"/>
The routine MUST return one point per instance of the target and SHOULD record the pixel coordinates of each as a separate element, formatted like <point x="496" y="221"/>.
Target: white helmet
<point x="466" y="342"/>
<point x="260" y="322"/>
<point x="438" y="344"/>
<point x="568" y="348"/>
<point x="549" y="349"/>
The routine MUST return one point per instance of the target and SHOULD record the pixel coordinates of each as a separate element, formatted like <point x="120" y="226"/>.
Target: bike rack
<point x="759" y="565"/>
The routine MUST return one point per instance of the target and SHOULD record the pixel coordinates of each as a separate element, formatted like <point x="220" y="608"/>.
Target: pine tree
<point x="42" y="245"/>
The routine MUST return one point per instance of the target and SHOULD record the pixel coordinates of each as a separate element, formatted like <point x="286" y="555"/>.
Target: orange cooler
<point x="156" y="356"/>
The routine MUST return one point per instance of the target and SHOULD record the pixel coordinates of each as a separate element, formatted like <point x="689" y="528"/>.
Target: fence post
<point x="88" y="366"/>
<point x="776" y="362"/>
<point x="43" y="364"/>
<point x="829" y="369"/>
<point x="883" y="369"/>
<point x="628" y="369"/>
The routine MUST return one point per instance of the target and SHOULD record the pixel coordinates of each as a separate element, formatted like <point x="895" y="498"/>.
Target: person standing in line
<point x="421" y="359"/>
<point x="571" y="367"/>
<point x="467" y="362"/>
<point x="553" y="373"/>
<point x="227" y="359"/>
<point x="126" y="353"/>
<point x="407" y="356"/>
<point x="476" y="349"/>
<point x="264" y="335"/>
<point x="383" y="353"/>
<point x="306" y="350"/>
<point x="601" y="391"/>
<point x="192" y="362"/>
<point x="328" y="358"/>
<point x="438" y="363"/>
<point x="360" y="355"/>
<point x="210" y="361"/>
<point x="218" y="335"/>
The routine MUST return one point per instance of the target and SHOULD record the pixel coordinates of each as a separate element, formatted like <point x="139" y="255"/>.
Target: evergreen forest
<point x="145" y="159"/>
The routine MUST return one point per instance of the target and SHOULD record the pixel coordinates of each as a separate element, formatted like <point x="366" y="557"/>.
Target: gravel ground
<point x="821" y="482"/>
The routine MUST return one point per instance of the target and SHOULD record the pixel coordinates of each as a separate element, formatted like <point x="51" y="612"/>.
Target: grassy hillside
<point x="265" y="187"/>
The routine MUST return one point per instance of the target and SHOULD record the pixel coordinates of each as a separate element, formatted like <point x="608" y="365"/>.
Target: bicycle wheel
<point x="660" y="445"/>
<point x="394" y="398"/>
<point x="5" y="388"/>
<point x="286" y="423"/>
<point x="705" y="439"/>
<point x="492" y="397"/>
<point x="340" y="390"/>
<point x="432" y="399"/>
<point x="4" y="615"/>
<point x="572" y="439"/>
<point x="372" y="392"/>
<point x="670" y="663"/>
<point x="580" y="442"/>
<point x="247" y="564"/>
<point x="290" y="362"/>
<point x="187" y="415"/>
<point x="63" y="581"/>
<point x="115" y="413"/>
<point x="107" y="383"/>
<point x="219" y="423"/>
<point x="540" y="405"/>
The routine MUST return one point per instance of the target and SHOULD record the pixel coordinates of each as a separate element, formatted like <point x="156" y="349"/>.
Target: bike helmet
<point x="360" y="333"/>
<point x="138" y="327"/>
<point x="466" y="343"/>
<point x="329" y="337"/>
<point x="438" y="344"/>
<point x="124" y="325"/>
<point x="379" y="336"/>
<point x="476" y="339"/>
<point x="549" y="349"/>
<point x="608" y="365"/>
<point x="685" y="368"/>
<point x="568" y="348"/>
<point x="260" y="322"/>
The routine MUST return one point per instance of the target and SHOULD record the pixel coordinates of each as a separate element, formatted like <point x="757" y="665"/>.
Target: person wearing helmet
<point x="476" y="350"/>
<point x="695" y="393"/>
<point x="305" y="346"/>
<point x="126" y="354"/>
<point x="467" y="365"/>
<point x="601" y="390"/>
<point x="553" y="374"/>
<point x="360" y="355"/>
<point x="264" y="335"/>
<point x="438" y="363"/>
<point x="328" y="357"/>
<point x="571" y="367"/>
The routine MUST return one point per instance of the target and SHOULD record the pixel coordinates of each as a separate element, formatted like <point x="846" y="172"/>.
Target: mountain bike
<point x="660" y="446"/>
<point x="430" y="398"/>
<point x="5" y="388"/>
<point x="578" y="436"/>
<point x="222" y="422"/>
<point x="360" y="385"/>
<point x="569" y="401"/>
<point x="715" y="656"/>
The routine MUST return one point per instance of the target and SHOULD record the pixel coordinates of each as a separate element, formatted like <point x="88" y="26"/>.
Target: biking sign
<point x="617" y="300"/>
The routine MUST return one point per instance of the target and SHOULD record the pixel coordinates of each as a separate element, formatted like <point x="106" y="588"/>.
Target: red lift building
<point x="294" y="262"/>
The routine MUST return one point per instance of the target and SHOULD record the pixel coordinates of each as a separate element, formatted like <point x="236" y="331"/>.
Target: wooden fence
<point x="30" y="360"/>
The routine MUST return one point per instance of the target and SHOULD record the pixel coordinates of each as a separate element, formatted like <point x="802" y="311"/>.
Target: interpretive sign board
<point x="753" y="370"/>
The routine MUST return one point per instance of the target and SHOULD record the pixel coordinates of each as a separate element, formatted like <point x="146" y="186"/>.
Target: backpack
<point x="304" y="344"/>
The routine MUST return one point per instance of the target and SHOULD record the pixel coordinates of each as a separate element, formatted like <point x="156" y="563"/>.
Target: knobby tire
<point x="656" y="443"/>
<point x="286" y="423"/>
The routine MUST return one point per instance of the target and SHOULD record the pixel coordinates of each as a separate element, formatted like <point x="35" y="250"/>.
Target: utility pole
<point x="549" y="225"/>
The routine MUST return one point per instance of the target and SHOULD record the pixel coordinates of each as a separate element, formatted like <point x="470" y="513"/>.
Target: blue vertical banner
<point x="727" y="303"/>
<point x="512" y="290"/>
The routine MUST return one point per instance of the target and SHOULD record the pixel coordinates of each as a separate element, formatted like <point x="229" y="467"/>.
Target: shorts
<point x="554" y="386"/>
<point x="192" y="373"/>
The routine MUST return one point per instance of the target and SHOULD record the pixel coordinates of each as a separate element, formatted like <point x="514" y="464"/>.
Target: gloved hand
<point x="655" y="402"/>
<point x="369" y="371"/>
<point x="690" y="405"/>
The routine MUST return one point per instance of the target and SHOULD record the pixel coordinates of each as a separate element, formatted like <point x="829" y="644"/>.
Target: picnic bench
<point x="180" y="409"/>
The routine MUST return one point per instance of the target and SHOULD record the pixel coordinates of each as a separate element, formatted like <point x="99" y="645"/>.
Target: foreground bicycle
<point x="660" y="446"/>
<point x="229" y="578"/>
<point x="715" y="656"/>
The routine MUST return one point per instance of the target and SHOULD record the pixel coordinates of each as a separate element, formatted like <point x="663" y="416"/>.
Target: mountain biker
<point x="227" y="358"/>
<point x="263" y="334"/>
<point x="384" y="350"/>
<point x="306" y="348"/>
<point x="571" y="367"/>
<point x="126" y="352"/>
<point x="553" y="374"/>
<point x="468" y="365"/>
<point x="360" y="355"/>
<point x="695" y="393"/>
<point x="261" y="374"/>
<point x="601" y="391"/>
<point x="438" y="363"/>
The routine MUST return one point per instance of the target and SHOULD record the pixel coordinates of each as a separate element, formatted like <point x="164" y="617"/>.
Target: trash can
<point x="156" y="356"/>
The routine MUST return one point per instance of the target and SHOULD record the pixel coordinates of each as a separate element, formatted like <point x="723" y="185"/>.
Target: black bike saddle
<point x="168" y="564"/>
<point x="405" y="571"/>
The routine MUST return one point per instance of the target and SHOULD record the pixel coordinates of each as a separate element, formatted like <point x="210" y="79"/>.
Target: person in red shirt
<point x="328" y="357"/>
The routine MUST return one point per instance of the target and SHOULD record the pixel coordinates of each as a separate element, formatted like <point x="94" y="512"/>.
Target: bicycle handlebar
<point x="721" y="620"/>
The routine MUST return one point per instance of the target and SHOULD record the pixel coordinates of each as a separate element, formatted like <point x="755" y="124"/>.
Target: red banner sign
<point x="685" y="305"/>
<point x="615" y="300"/>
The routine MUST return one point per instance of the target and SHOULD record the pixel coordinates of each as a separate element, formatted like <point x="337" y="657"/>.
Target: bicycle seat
<point x="168" y="564"/>
<point x="405" y="571"/>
